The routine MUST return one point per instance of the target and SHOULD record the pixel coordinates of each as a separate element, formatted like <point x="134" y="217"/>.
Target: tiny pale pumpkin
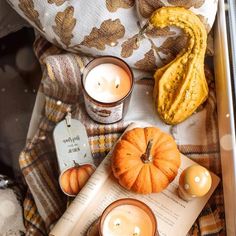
<point x="145" y="160"/>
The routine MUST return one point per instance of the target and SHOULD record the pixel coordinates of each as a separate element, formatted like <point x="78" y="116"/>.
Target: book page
<point x="174" y="215"/>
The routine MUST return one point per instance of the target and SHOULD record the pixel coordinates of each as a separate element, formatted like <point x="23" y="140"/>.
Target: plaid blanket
<point x="44" y="202"/>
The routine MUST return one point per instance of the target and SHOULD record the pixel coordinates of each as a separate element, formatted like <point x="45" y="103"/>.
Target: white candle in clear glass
<point x="127" y="220"/>
<point x="107" y="83"/>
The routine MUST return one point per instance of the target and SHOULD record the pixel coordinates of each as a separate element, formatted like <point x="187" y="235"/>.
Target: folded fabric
<point x="44" y="202"/>
<point x="112" y="27"/>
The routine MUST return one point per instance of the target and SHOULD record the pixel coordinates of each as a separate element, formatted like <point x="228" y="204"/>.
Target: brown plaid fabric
<point x="44" y="202"/>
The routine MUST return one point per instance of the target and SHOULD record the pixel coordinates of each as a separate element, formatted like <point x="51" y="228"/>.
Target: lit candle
<point x="128" y="217"/>
<point x="107" y="84"/>
<point x="127" y="220"/>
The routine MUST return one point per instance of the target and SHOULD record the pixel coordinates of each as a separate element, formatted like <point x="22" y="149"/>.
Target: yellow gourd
<point x="180" y="86"/>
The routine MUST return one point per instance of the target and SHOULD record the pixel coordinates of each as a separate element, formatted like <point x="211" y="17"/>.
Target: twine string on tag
<point x="68" y="119"/>
<point x="68" y="122"/>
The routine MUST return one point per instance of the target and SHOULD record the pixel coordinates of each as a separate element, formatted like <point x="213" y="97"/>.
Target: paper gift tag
<point x="71" y="141"/>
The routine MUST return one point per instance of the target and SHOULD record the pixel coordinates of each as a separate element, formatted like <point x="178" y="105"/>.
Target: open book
<point x="174" y="215"/>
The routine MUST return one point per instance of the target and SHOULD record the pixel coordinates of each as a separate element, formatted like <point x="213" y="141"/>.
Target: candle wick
<point x="99" y="84"/>
<point x="117" y="82"/>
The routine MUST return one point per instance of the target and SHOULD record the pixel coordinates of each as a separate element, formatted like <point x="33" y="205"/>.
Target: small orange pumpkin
<point x="74" y="178"/>
<point x="145" y="160"/>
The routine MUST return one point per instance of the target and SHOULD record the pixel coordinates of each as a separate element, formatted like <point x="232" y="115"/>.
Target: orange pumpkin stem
<point x="146" y="157"/>
<point x="76" y="164"/>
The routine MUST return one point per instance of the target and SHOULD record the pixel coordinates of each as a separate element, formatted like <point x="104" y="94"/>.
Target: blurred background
<point x="19" y="80"/>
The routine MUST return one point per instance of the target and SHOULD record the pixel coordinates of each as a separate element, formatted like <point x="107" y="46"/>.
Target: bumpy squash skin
<point x="180" y="86"/>
<point x="152" y="176"/>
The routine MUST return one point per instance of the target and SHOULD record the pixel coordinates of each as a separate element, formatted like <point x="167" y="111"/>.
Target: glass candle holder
<point x="107" y="84"/>
<point x="128" y="217"/>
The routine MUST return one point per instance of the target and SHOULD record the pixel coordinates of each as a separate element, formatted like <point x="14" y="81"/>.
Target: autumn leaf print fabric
<point x="112" y="27"/>
<point x="64" y="25"/>
<point x="107" y="34"/>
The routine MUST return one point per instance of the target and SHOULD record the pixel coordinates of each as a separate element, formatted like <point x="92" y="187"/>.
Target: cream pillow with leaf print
<point x="111" y="27"/>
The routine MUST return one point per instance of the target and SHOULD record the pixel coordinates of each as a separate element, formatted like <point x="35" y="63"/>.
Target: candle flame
<point x="136" y="231"/>
<point x="117" y="81"/>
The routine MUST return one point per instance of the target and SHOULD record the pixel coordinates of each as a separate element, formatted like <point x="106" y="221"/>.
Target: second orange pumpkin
<point x="73" y="179"/>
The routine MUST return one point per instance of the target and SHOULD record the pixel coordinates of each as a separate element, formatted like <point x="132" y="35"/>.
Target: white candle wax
<point x="127" y="220"/>
<point x="107" y="83"/>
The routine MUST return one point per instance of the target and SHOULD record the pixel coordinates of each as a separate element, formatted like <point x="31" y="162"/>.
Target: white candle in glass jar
<point x="127" y="220"/>
<point x="107" y="83"/>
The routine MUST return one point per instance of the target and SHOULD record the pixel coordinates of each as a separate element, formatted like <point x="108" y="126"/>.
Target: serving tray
<point x="225" y="89"/>
<point x="226" y="117"/>
<point x="231" y="17"/>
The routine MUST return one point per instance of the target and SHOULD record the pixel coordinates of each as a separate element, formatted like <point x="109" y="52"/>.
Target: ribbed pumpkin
<point x="145" y="160"/>
<point x="73" y="179"/>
